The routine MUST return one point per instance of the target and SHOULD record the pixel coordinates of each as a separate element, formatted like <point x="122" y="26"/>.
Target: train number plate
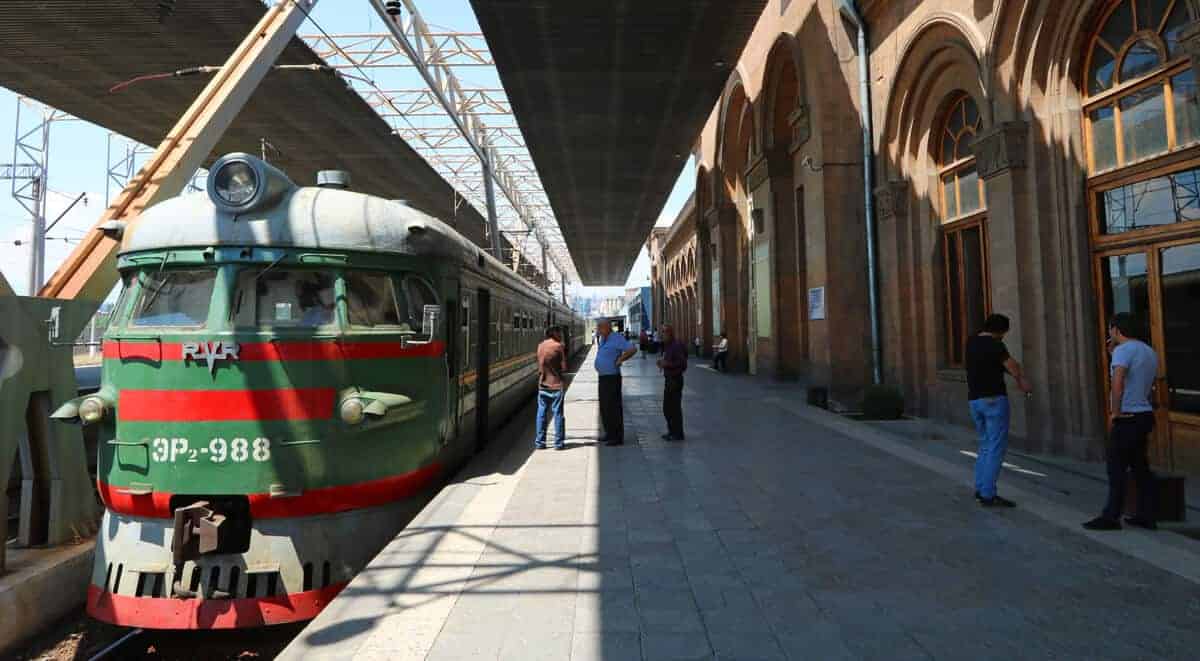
<point x="217" y="451"/>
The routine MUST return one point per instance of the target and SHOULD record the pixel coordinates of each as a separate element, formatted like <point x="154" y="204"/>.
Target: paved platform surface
<point x="775" y="531"/>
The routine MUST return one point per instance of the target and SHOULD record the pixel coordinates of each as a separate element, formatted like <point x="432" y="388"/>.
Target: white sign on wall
<point x="816" y="303"/>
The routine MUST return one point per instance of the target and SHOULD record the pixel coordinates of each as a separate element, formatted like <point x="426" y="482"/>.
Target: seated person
<point x="316" y="303"/>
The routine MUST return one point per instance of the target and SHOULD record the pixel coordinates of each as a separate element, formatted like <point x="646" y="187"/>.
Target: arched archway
<point x="784" y="115"/>
<point x="940" y="64"/>
<point x="736" y="142"/>
<point x="706" y="261"/>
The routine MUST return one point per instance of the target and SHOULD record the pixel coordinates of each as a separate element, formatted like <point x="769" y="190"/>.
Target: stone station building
<point x="1036" y="158"/>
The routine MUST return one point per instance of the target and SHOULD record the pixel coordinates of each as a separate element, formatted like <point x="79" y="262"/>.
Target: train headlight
<point x="92" y="409"/>
<point x="241" y="183"/>
<point x="235" y="183"/>
<point x="353" y="411"/>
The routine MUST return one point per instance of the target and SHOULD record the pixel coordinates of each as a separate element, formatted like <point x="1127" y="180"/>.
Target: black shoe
<point x="615" y="442"/>
<point x="978" y="497"/>
<point x="667" y="437"/>
<point x="1102" y="523"/>
<point x="560" y="447"/>
<point x="1141" y="522"/>
<point x="996" y="501"/>
<point x="539" y="447"/>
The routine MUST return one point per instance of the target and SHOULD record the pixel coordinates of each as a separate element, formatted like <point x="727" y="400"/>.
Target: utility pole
<point x="28" y="173"/>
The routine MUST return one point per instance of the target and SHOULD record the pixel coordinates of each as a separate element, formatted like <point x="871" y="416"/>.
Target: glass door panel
<point x="1181" y="326"/>
<point x="1126" y="282"/>
<point x="1126" y="286"/>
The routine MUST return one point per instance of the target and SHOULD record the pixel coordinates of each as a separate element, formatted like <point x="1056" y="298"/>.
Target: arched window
<point x="962" y="189"/>
<point x="1140" y="90"/>
<point x="964" y="238"/>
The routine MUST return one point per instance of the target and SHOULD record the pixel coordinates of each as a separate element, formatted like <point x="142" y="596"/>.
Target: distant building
<point x="637" y="311"/>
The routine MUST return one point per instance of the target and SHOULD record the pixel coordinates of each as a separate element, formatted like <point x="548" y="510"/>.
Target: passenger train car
<point x="287" y="371"/>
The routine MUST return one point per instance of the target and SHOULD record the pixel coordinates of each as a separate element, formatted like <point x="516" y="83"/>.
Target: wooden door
<point x="1159" y="284"/>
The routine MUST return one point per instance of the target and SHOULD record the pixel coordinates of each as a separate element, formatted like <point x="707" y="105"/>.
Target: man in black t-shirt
<point x="987" y="360"/>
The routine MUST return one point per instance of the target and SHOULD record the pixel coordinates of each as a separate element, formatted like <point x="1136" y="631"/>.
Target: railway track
<point x="79" y="637"/>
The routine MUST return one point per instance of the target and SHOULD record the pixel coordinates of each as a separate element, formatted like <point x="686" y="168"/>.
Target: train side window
<point x="472" y="356"/>
<point x="414" y="296"/>
<point x="371" y="300"/>
<point x="175" y="297"/>
<point x="296" y="298"/>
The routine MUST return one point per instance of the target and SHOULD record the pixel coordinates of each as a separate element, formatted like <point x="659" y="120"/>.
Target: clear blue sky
<point x="78" y="156"/>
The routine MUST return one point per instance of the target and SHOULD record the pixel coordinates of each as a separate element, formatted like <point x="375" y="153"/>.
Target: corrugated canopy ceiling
<point x="610" y="97"/>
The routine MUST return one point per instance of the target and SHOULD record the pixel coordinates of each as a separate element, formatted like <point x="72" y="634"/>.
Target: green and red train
<point x="288" y="370"/>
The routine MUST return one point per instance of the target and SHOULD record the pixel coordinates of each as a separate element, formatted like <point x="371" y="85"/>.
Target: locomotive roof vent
<point x="240" y="183"/>
<point x="333" y="179"/>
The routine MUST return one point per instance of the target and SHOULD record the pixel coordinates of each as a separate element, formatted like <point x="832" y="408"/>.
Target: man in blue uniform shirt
<point x="612" y="349"/>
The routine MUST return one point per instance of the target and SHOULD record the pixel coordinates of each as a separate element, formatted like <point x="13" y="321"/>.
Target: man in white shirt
<point x="721" y="350"/>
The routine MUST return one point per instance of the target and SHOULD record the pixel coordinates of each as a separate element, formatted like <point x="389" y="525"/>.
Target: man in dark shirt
<point x="552" y="362"/>
<point x="673" y="364"/>
<point x="987" y="360"/>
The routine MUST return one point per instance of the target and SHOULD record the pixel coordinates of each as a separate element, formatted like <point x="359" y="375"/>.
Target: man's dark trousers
<point x="611" y="412"/>
<point x="673" y="405"/>
<point x="1127" y="451"/>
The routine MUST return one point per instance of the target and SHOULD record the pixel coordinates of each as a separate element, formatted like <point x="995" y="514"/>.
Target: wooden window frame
<point x="953" y="224"/>
<point x="953" y="169"/>
<point x="955" y="231"/>
<point x="1121" y="89"/>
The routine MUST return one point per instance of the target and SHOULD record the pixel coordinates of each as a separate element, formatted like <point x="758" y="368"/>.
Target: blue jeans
<point x="991" y="421"/>
<point x="553" y="400"/>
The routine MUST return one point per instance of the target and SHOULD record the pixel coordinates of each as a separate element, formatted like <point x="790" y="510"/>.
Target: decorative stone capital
<point x="891" y="201"/>
<point x="801" y="128"/>
<point x="1000" y="148"/>
<point x="757" y="173"/>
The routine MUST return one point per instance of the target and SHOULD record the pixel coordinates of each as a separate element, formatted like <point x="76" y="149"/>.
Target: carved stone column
<point x="891" y="213"/>
<point x="704" y="264"/>
<point x="1001" y="153"/>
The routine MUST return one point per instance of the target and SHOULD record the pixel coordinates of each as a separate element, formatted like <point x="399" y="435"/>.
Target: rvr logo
<point x="211" y="352"/>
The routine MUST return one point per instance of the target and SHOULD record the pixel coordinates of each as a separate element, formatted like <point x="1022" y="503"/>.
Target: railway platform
<point x="775" y="531"/>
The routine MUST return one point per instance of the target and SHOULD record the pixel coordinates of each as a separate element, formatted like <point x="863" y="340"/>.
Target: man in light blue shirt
<point x="612" y="349"/>
<point x="1133" y="370"/>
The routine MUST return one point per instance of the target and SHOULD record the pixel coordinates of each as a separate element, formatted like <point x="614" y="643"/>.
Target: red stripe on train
<point x="273" y="351"/>
<point x="325" y="500"/>
<point x="225" y="405"/>
<point x="165" y="613"/>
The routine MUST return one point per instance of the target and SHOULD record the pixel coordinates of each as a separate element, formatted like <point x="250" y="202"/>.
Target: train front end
<point x="272" y="406"/>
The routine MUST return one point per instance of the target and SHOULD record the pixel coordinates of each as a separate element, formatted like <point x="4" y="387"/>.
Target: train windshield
<point x="373" y="301"/>
<point x="376" y="299"/>
<point x="297" y="298"/>
<point x="174" y="297"/>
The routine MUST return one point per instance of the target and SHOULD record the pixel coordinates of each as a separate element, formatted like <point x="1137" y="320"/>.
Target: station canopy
<point x="610" y="97"/>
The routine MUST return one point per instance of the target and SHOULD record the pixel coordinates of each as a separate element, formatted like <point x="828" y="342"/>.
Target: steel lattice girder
<point x="381" y="51"/>
<point x="435" y="54"/>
